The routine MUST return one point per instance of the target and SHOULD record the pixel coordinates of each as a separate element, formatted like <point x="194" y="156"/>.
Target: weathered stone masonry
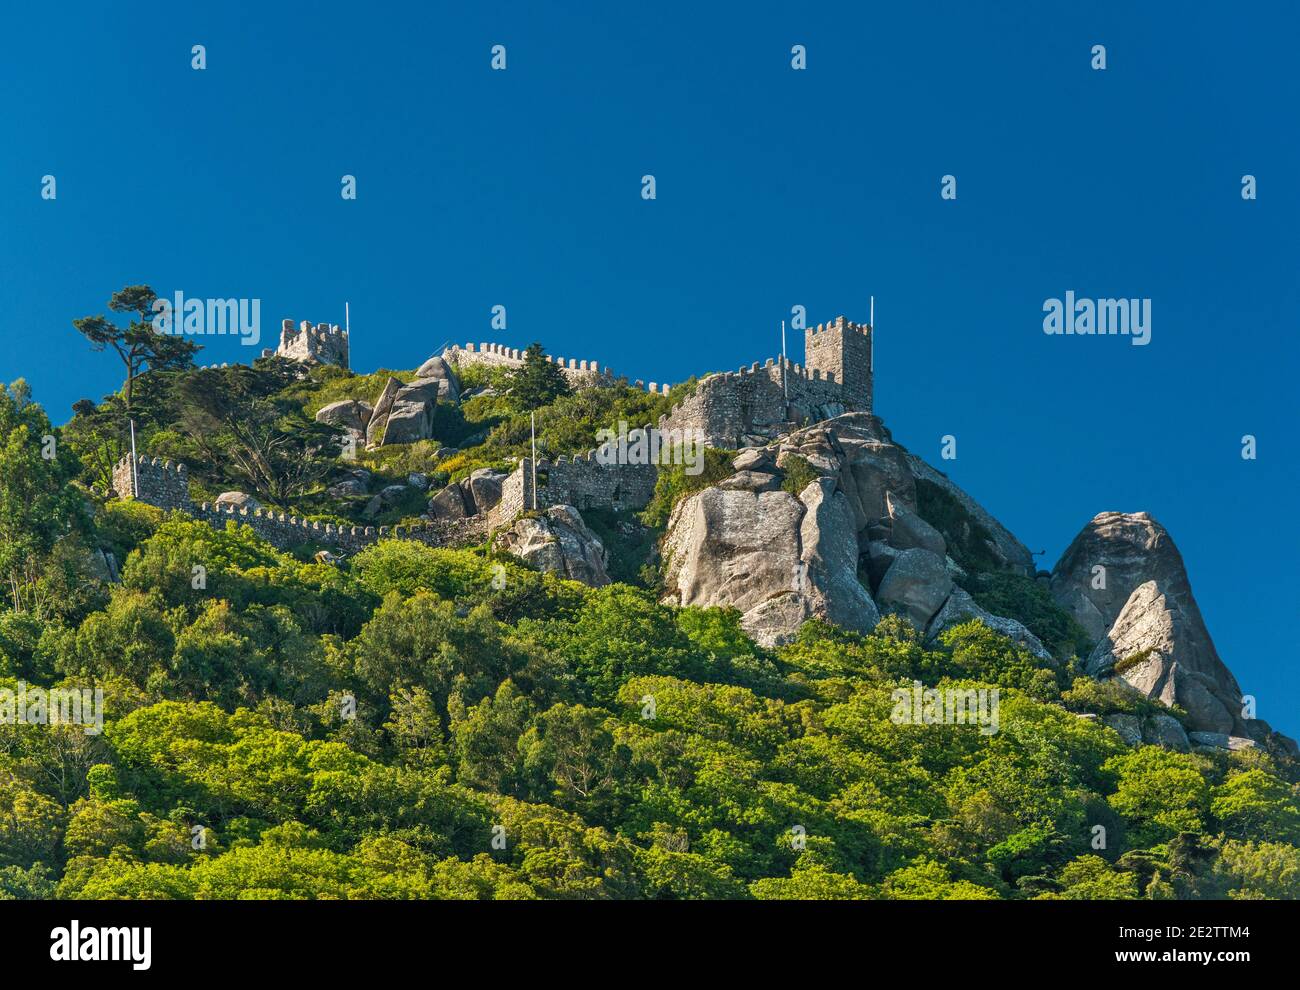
<point x="582" y="482"/>
<point x="728" y="410"/>
<point x="580" y="374"/>
<point x="166" y="485"/>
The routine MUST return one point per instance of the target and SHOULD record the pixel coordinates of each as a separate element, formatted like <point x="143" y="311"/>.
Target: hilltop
<point x="339" y="645"/>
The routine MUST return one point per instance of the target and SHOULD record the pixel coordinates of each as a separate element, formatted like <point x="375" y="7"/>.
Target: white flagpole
<point x="785" y="386"/>
<point x="347" y="320"/>
<point x="533" y="422"/>
<point x="135" y="474"/>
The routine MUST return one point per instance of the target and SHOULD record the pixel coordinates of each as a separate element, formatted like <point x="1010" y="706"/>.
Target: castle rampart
<point x="323" y="343"/>
<point x="166" y="486"/>
<point x="579" y="373"/>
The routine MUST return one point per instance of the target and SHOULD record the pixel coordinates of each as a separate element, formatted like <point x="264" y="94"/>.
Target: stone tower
<point x="842" y="351"/>
<point x="321" y="344"/>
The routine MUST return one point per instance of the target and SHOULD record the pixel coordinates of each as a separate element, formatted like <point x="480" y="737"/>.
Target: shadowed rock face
<point x="781" y="559"/>
<point x="1125" y="582"/>
<point x="558" y="541"/>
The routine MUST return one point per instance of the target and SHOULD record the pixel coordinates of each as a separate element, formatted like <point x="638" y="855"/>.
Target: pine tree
<point x="537" y="382"/>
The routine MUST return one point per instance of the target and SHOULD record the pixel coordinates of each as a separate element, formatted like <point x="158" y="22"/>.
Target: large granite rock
<point x="961" y="607"/>
<point x="411" y="416"/>
<point x="915" y="586"/>
<point x="829" y="553"/>
<point x="1150" y="631"/>
<point x="351" y="414"/>
<point x="559" y="541"/>
<point x="379" y="416"/>
<point x="237" y="501"/>
<point x="1166" y="731"/>
<point x="776" y="558"/>
<point x="439" y="370"/>
<point x="482" y="490"/>
<point x="448" y="504"/>
<point x="908" y="531"/>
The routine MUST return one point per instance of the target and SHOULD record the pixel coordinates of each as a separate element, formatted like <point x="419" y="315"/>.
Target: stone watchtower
<point x="321" y="344"/>
<point x="842" y="351"/>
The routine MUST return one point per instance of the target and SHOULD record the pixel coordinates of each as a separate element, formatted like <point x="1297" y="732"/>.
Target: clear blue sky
<point x="775" y="188"/>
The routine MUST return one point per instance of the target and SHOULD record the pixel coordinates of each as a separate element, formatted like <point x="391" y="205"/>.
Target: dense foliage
<point x="438" y="723"/>
<point x="420" y="723"/>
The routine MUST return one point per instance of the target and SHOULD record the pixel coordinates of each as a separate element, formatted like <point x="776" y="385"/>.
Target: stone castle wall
<point x="166" y="486"/>
<point x="581" y="481"/>
<point x="754" y="401"/>
<point x="842" y="350"/>
<point x="580" y="374"/>
<point x="323" y="343"/>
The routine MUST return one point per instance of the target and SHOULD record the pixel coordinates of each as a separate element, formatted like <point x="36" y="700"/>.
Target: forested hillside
<point x="432" y="723"/>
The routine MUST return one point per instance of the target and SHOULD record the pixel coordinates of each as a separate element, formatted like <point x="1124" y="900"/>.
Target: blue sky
<point x="775" y="188"/>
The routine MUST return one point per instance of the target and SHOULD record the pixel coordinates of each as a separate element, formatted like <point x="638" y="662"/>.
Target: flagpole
<point x="135" y="474"/>
<point x="872" y="357"/>
<point x="785" y="385"/>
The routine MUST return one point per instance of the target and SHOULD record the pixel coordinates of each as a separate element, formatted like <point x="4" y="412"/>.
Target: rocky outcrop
<point x="448" y="504"/>
<point x="1011" y="553"/>
<point x="379" y="416"/>
<point x="961" y="607"/>
<point x="404" y="413"/>
<point x="1124" y="580"/>
<point x="411" y="416"/>
<point x="1166" y="731"/>
<point x="915" y="586"/>
<point x="350" y="414"/>
<point x="780" y="559"/>
<point x="354" y="484"/>
<point x="237" y="501"/>
<point x="558" y="541"/>
<point x="437" y="369"/>
<point x="776" y="558"/>
<point x="483" y="490"/>
<point x="908" y="531"/>
<point x="476" y="495"/>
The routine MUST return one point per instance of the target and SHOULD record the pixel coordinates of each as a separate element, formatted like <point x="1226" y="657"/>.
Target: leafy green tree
<point x="39" y="509"/>
<point x="537" y="382"/>
<point x="138" y="344"/>
<point x="573" y="750"/>
<point x="1255" y="803"/>
<point x="1159" y="793"/>
<point x="1091" y="878"/>
<point x="237" y="417"/>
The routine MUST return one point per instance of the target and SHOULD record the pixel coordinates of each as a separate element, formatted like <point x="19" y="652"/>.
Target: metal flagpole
<point x="785" y="385"/>
<point x="872" y="357"/>
<point x="135" y="474"/>
<point x="347" y="321"/>
<point x="533" y="420"/>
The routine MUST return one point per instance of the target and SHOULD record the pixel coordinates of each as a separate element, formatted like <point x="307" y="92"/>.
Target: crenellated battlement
<point x="843" y="349"/>
<point x="320" y="343"/>
<point x="153" y="480"/>
<point x="731" y="409"/>
<point x="580" y="373"/>
<point x="166" y="485"/>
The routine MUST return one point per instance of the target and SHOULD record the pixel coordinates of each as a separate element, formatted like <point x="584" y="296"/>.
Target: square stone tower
<point x="323" y="343"/>
<point x="842" y="351"/>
